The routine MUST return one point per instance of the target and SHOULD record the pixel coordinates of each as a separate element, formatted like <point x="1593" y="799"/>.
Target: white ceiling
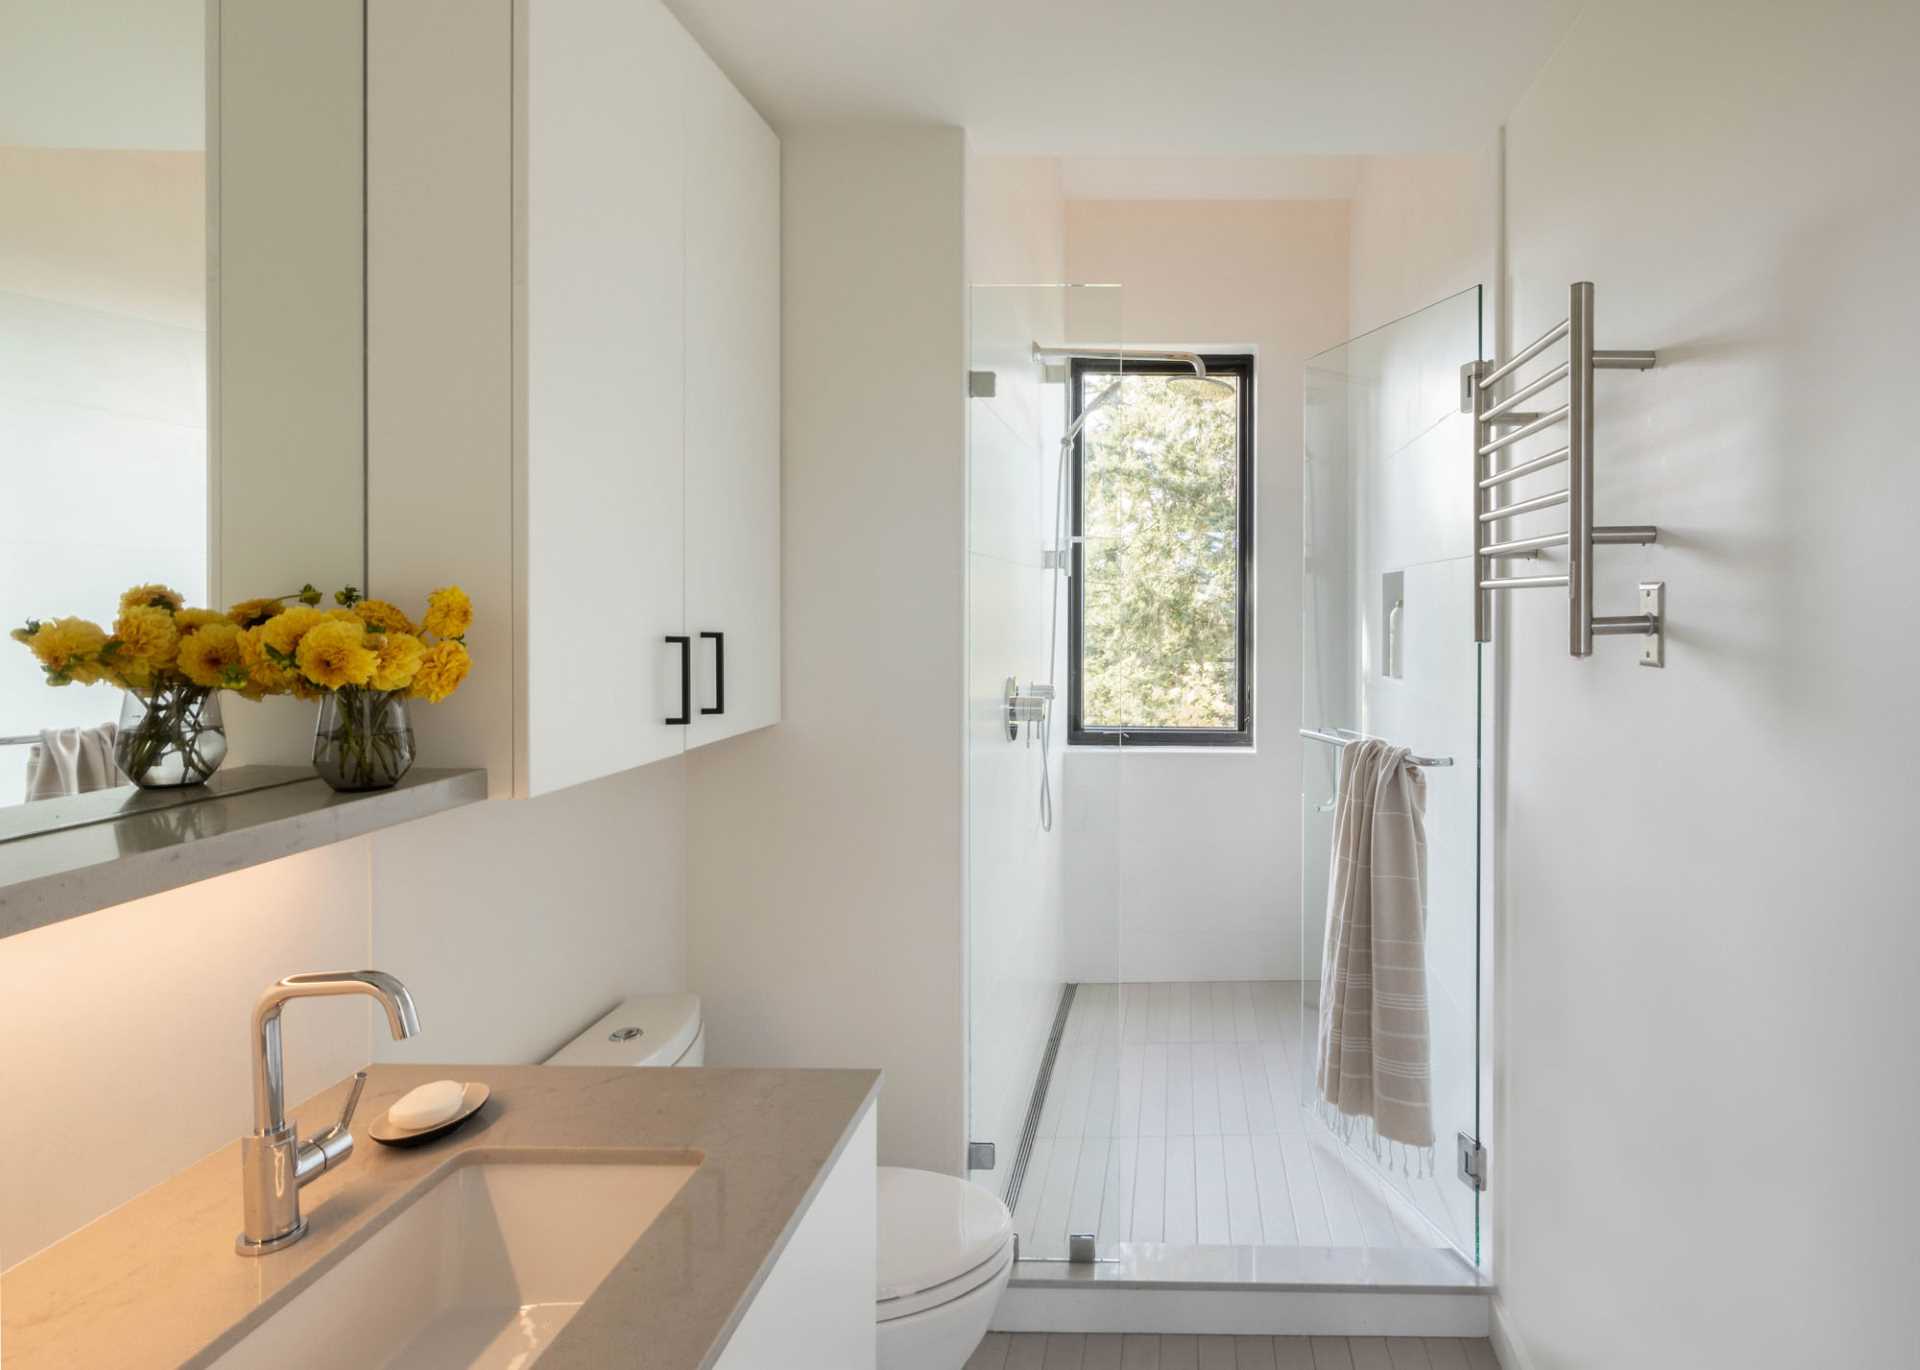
<point x="1106" y="77"/>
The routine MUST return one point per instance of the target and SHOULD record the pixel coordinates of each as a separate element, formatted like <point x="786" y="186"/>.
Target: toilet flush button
<point x="625" y="1034"/>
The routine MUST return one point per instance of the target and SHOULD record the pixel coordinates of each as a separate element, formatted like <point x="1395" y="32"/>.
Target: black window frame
<point x="1240" y="365"/>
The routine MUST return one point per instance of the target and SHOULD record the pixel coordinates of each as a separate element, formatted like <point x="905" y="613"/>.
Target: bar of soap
<point x="428" y="1105"/>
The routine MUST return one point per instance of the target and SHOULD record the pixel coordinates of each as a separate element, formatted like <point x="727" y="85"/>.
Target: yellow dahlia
<point x="250" y="613"/>
<point x="387" y="618"/>
<point x="281" y="634"/>
<point x="265" y="675"/>
<point x="211" y="656"/>
<point x="442" y="667"/>
<point x="151" y="597"/>
<point x="68" y="649"/>
<point x="335" y="654"/>
<point x="449" y="612"/>
<point x="186" y="620"/>
<point x="399" y="655"/>
<point x="145" y="637"/>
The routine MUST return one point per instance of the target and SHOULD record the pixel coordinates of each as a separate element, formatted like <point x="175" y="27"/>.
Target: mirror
<point x="182" y="334"/>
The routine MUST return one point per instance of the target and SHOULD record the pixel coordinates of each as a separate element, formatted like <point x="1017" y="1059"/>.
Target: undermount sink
<point x="482" y="1270"/>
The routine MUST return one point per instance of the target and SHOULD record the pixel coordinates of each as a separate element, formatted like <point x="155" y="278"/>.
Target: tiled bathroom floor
<point x="1174" y="1115"/>
<point x="1110" y="1351"/>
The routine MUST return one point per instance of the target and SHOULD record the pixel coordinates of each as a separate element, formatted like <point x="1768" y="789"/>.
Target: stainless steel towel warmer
<point x="1497" y="427"/>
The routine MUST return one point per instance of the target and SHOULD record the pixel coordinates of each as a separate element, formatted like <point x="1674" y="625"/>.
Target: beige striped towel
<point x="1373" y="1058"/>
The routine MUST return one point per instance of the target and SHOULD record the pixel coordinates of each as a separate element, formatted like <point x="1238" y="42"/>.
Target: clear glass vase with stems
<point x="170" y="735"/>
<point x="364" y="739"/>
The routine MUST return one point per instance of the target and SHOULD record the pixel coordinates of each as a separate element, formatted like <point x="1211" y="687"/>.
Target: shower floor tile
<point x="1176" y="1114"/>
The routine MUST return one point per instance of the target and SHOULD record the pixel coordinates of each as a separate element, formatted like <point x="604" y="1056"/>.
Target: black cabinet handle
<point x="719" y="673"/>
<point x="686" y="678"/>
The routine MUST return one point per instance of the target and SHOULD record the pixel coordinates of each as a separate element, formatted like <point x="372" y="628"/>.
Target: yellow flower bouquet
<point x="364" y="660"/>
<point x="172" y="662"/>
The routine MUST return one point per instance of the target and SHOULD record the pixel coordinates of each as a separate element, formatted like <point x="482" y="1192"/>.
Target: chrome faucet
<point x="274" y="1163"/>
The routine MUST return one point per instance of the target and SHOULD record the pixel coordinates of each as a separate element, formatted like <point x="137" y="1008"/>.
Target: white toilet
<point x="655" y="1030"/>
<point x="946" y="1250"/>
<point x="946" y="1245"/>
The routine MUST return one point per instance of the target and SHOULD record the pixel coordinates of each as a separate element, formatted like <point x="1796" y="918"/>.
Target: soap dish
<point x="384" y="1132"/>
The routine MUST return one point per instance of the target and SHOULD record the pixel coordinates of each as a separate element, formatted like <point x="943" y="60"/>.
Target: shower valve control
<point x="1031" y="705"/>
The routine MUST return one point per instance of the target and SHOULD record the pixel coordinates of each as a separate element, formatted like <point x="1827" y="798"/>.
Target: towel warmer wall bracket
<point x="1498" y="427"/>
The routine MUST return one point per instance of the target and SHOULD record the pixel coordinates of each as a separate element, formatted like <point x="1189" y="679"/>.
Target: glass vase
<point x="170" y="735"/>
<point x="364" y="740"/>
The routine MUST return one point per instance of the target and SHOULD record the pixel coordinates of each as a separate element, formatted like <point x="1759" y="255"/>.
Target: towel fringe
<point x="1415" y="1162"/>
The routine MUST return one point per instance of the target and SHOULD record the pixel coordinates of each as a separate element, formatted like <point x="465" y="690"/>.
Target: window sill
<point x="1103" y="749"/>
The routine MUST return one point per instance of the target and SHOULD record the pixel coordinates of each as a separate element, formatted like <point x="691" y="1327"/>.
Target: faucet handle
<point x="353" y="1102"/>
<point x="321" y="1153"/>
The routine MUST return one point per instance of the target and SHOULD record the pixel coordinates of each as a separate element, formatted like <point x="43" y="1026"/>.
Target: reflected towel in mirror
<point x="72" y="761"/>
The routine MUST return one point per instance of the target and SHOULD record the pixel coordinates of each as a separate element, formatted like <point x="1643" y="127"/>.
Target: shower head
<point x="1201" y="387"/>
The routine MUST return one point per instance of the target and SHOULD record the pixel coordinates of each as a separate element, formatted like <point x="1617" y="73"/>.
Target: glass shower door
<point x="1388" y="651"/>
<point x="1044" y="1012"/>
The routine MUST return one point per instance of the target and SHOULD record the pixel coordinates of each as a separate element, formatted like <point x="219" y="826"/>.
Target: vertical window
<point x="1160" y="625"/>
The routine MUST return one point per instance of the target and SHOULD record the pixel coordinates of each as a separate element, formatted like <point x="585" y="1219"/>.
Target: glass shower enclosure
<point x="1036" y="937"/>
<point x="1144" y="938"/>
<point x="1388" y="651"/>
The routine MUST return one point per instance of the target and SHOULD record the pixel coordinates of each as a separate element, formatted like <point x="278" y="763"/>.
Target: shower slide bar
<point x="1500" y="425"/>
<point x="1340" y="737"/>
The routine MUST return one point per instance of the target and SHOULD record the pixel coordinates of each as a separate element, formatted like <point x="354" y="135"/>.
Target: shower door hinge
<point x="979" y="1155"/>
<point x="1469" y="373"/>
<point x="980" y="385"/>
<point x="1473" y="1163"/>
<point x="1053" y="559"/>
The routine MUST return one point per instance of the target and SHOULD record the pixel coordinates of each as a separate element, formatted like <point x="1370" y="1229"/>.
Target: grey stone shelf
<point x="63" y="858"/>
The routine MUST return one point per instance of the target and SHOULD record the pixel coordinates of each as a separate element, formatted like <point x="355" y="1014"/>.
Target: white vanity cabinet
<point x="593" y="380"/>
<point x="815" y="1309"/>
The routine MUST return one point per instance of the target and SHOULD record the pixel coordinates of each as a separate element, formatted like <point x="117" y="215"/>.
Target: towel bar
<point x="1340" y="737"/>
<point x="1477" y="381"/>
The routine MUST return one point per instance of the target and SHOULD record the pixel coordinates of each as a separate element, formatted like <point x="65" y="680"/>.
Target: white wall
<point x="517" y="923"/>
<point x="826" y="873"/>
<point x="126" y="74"/>
<point x="1200" y="852"/>
<point x="1710" y="929"/>
<point x="1422" y="229"/>
<point x="1016" y="244"/>
<point x="123" y="1035"/>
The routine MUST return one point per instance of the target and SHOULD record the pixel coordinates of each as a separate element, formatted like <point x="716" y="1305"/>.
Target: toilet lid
<point x="935" y="1228"/>
<point x="652" y="1030"/>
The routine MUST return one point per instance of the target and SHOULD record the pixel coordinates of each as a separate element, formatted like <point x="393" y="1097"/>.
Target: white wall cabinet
<point x="601" y="231"/>
<point x="635" y="198"/>
<point x="732" y="406"/>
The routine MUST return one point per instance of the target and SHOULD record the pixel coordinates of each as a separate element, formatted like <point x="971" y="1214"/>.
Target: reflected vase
<point x="364" y="739"/>
<point x="170" y="735"/>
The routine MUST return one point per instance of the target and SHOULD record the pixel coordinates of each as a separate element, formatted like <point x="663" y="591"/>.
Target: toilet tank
<point x="653" y="1030"/>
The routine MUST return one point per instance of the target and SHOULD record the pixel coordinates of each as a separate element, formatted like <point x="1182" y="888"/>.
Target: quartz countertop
<point x="156" y="1282"/>
<point x="61" y="858"/>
